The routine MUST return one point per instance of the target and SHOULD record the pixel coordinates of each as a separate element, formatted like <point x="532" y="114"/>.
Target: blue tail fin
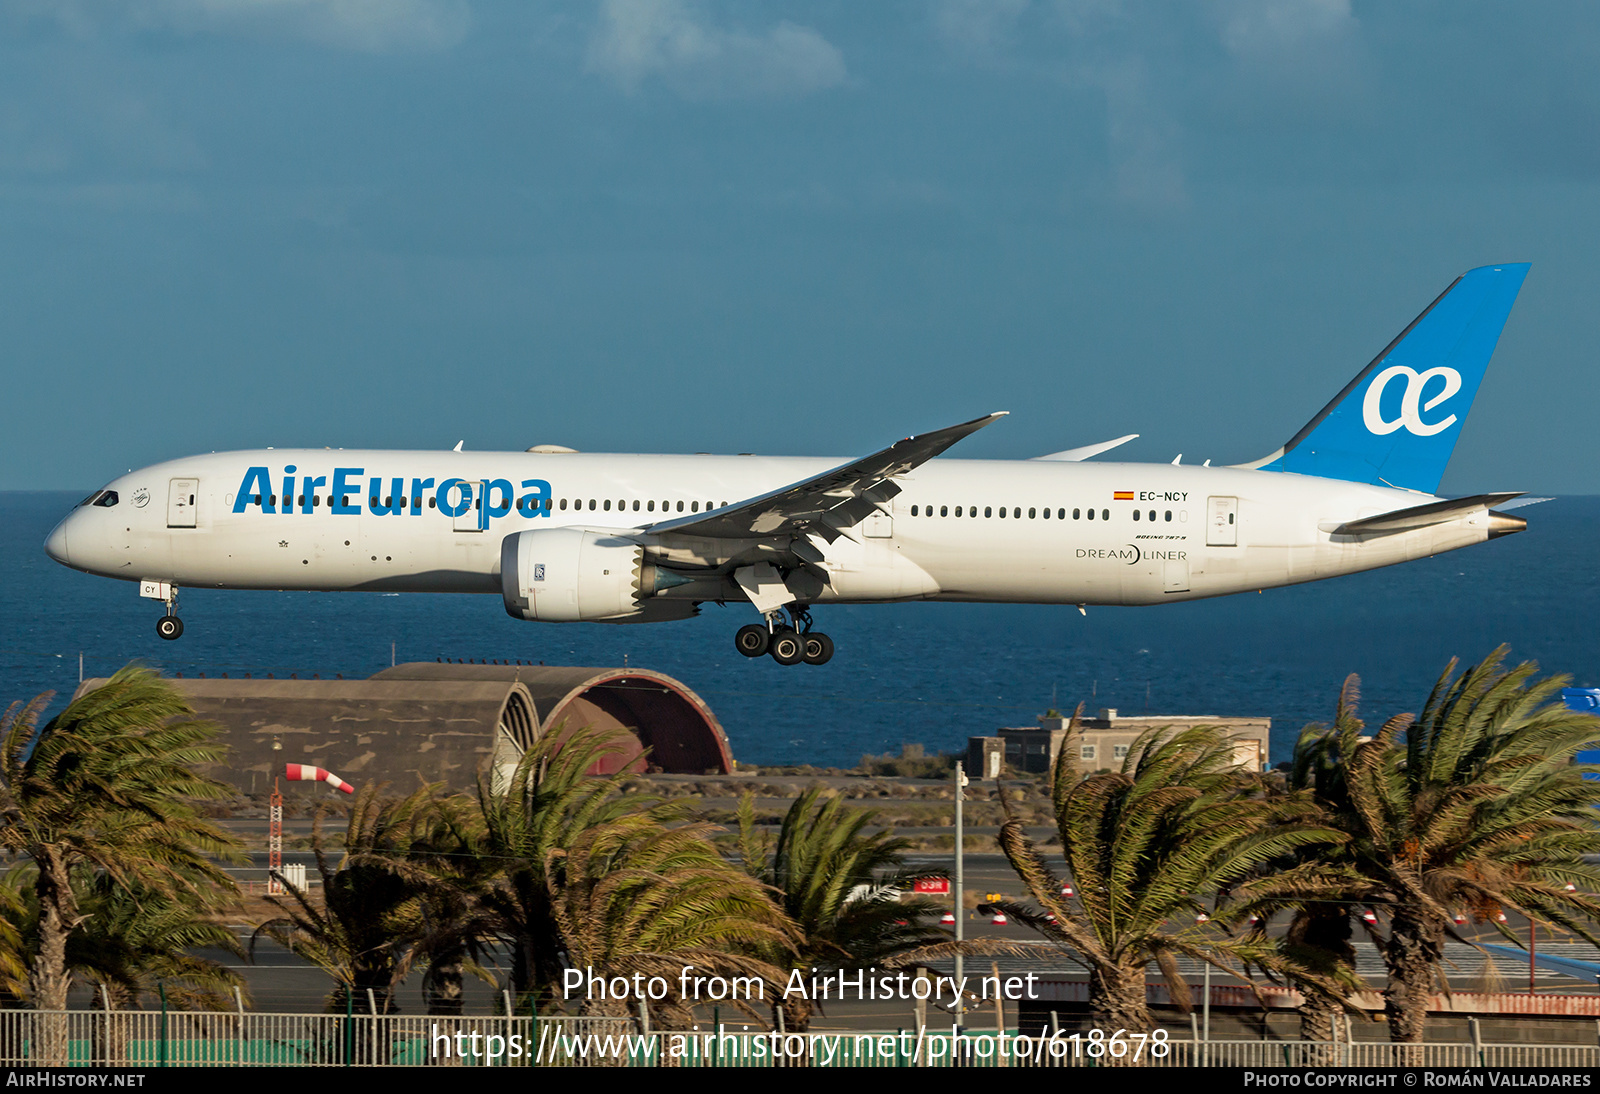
<point x="1397" y="422"/>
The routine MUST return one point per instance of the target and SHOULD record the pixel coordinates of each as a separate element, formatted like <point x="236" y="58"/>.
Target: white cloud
<point x="1269" y="27"/>
<point x="667" y="39"/>
<point x="370" y="26"/>
<point x="981" y="27"/>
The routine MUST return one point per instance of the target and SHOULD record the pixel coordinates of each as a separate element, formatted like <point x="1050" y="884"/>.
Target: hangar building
<point x="443" y="722"/>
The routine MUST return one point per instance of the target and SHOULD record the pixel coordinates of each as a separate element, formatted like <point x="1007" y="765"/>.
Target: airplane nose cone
<point x="56" y="545"/>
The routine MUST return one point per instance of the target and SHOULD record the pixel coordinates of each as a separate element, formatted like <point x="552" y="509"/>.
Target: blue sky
<point x="667" y="225"/>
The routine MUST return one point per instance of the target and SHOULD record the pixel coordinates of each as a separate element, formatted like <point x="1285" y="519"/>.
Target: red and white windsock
<point x="305" y="773"/>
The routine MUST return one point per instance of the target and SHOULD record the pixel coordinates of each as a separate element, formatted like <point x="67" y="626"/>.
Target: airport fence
<point x="141" y="1039"/>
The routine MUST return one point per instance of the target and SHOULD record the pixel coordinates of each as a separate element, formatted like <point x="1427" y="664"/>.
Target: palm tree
<point x="545" y="807"/>
<point x="839" y="884"/>
<point x="1317" y="884"/>
<point x="1477" y="807"/>
<point x="365" y="930"/>
<point x="133" y="943"/>
<point x="637" y="896"/>
<point x="448" y="847"/>
<point x="1144" y="844"/>
<point x="108" y="785"/>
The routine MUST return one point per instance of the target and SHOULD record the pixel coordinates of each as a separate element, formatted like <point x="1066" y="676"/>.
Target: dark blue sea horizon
<point x="929" y="674"/>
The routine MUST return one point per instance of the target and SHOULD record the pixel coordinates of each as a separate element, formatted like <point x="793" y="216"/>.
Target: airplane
<point x="565" y="536"/>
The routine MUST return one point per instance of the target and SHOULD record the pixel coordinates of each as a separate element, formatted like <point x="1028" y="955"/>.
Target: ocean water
<point x="931" y="674"/>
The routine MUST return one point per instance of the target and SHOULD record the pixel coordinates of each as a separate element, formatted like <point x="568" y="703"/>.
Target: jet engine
<point x="571" y="575"/>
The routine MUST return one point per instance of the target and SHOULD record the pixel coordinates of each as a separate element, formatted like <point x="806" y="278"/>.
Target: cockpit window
<point x="90" y="499"/>
<point x="107" y="499"/>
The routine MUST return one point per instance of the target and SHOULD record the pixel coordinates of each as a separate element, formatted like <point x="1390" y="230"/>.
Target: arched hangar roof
<point x="442" y="722"/>
<point x="677" y="726"/>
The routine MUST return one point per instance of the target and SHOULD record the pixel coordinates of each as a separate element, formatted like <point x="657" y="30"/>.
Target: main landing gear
<point x="789" y="643"/>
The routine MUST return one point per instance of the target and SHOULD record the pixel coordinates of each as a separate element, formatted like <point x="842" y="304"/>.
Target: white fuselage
<point x="1199" y="532"/>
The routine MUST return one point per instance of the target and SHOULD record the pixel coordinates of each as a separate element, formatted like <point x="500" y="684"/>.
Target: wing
<point x="1077" y="455"/>
<point x="832" y="501"/>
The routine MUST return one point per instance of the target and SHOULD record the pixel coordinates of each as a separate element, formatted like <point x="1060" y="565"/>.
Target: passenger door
<point x="181" y="496"/>
<point x="475" y="518"/>
<point x="1222" y="522"/>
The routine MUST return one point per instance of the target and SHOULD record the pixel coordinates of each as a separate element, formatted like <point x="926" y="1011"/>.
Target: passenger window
<point x="608" y="505"/>
<point x="650" y="506"/>
<point x="636" y="506"/>
<point x="1136" y="514"/>
<point x="1031" y="512"/>
<point x="563" y="504"/>
<point x="694" y="507"/>
<point x="1091" y="513"/>
<point x="591" y="505"/>
<point x="1105" y="514"/>
<point x="1002" y="512"/>
<point x="680" y="507"/>
<point x="1169" y="516"/>
<point x="433" y="503"/>
<point x="986" y="511"/>
<point x="257" y="500"/>
<point x="1061" y="514"/>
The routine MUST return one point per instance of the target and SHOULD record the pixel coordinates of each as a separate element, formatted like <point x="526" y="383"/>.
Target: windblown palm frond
<point x="111" y="784"/>
<point x="1475" y="808"/>
<point x="841" y="887"/>
<point x="1145" y="845"/>
<point x="370" y="918"/>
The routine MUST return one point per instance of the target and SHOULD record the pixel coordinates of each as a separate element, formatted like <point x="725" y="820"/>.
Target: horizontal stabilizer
<point x="1074" y="455"/>
<point x="1520" y="502"/>
<point x="1419" y="516"/>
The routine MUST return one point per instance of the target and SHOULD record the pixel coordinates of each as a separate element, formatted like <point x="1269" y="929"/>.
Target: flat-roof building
<point x="1102" y="742"/>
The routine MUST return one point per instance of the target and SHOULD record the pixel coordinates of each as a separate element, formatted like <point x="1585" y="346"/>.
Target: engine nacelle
<point x="570" y="575"/>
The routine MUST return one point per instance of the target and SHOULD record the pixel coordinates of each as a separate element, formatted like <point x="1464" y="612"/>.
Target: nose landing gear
<point x="789" y="642"/>
<point x="168" y="626"/>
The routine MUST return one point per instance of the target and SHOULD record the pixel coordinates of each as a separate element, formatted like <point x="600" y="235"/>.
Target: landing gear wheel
<point x="818" y="648"/>
<point x="752" y="641"/>
<point x="169" y="627"/>
<point x="788" y="648"/>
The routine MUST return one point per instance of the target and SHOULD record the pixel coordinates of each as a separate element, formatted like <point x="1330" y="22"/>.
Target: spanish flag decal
<point x="1122" y="495"/>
